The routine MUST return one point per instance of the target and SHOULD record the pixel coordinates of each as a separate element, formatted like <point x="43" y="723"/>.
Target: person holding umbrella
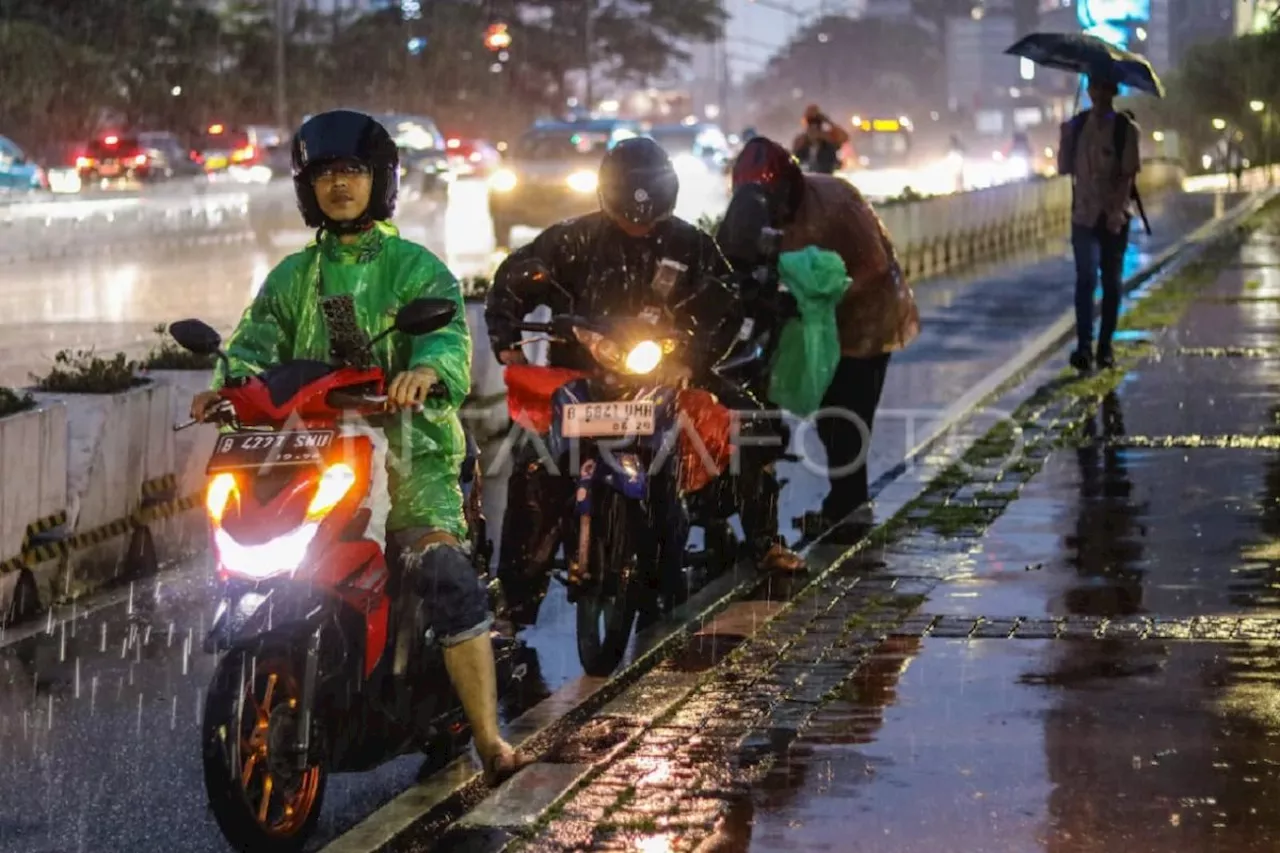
<point x="1099" y="149"/>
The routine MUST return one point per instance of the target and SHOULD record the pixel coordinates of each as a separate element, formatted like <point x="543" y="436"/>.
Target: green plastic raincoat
<point x="381" y="272"/>
<point x="809" y="346"/>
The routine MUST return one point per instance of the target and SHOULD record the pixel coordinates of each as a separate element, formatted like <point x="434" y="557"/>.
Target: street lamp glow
<point x="1158" y="136"/>
<point x="176" y="91"/>
<point x="1219" y="124"/>
<point x="1257" y="106"/>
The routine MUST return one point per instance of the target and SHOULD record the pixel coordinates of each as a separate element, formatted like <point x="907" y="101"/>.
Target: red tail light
<point x="240" y="155"/>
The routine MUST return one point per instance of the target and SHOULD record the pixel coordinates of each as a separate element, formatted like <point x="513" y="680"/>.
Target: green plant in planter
<point x="12" y="402"/>
<point x="167" y="355"/>
<point x="82" y="372"/>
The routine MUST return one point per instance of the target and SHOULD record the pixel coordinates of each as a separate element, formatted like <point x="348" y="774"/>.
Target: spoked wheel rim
<point x="280" y="798"/>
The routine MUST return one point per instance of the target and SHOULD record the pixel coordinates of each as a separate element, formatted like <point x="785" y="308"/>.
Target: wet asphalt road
<point x="98" y="718"/>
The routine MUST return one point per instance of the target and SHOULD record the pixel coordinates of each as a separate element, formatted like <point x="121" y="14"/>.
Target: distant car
<point x="423" y="158"/>
<point x="221" y="147"/>
<point x="472" y="157"/>
<point x="116" y="157"/>
<point x="61" y="165"/>
<point x="178" y="158"/>
<point x="550" y="173"/>
<point x="696" y="150"/>
<point x="18" y="172"/>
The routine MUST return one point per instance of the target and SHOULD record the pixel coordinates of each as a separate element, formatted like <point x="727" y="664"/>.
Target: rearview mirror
<point x="196" y="336"/>
<point x="424" y="316"/>
<point x="529" y="269"/>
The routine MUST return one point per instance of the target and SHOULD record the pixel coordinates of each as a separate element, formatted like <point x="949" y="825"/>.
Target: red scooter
<point x="325" y="665"/>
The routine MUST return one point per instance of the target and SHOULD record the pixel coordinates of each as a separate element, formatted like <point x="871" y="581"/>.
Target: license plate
<point x="596" y="420"/>
<point x="109" y="169"/>
<point x="216" y="163"/>
<point x="265" y="449"/>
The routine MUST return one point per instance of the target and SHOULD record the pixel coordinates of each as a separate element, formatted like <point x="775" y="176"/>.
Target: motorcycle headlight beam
<point x="279" y="556"/>
<point x="644" y="357"/>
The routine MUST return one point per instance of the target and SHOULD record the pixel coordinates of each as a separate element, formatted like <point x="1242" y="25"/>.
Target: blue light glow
<point x="1115" y="21"/>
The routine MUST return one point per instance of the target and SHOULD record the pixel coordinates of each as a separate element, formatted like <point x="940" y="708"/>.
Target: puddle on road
<point x="1021" y="745"/>
<point x="1233" y="396"/>
<point x="1119" y="532"/>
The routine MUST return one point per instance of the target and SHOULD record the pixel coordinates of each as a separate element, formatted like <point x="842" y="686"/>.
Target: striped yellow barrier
<point x="158" y="504"/>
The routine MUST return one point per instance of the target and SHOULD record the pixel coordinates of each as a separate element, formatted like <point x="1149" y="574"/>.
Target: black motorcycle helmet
<point x="345" y="135"/>
<point x="637" y="182"/>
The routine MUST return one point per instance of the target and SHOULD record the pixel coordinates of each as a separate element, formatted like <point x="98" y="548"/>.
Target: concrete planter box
<point x="33" y="482"/>
<point x="187" y="532"/>
<point x="115" y="443"/>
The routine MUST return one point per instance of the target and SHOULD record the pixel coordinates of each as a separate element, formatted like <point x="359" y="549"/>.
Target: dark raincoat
<point x="382" y="272"/>
<point x="605" y="272"/>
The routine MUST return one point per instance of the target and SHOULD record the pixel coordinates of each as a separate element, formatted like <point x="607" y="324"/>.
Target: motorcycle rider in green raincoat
<point x="346" y="178"/>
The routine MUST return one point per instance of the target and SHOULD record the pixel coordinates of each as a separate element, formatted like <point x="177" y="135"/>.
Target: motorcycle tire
<point x="613" y="596"/>
<point x="249" y="809"/>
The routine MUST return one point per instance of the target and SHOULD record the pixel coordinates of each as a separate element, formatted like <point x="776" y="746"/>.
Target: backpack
<point x="1124" y="124"/>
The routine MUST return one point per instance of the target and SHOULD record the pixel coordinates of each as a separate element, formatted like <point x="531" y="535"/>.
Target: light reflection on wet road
<point x="127" y="692"/>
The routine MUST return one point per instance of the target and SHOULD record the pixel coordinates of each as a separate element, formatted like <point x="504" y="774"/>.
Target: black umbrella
<point x="1085" y="54"/>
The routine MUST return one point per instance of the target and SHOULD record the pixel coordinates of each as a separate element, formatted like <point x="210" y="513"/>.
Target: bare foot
<point x="505" y="763"/>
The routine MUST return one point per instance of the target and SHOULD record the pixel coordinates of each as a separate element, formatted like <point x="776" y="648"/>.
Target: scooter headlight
<point x="334" y="484"/>
<point x="279" y="556"/>
<point x="218" y="495"/>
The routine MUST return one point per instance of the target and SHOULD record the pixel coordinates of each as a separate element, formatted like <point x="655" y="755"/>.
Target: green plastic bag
<point x="809" y="346"/>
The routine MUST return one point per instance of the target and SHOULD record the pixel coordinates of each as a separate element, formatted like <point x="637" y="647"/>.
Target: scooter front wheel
<point x="606" y="610"/>
<point x="259" y="797"/>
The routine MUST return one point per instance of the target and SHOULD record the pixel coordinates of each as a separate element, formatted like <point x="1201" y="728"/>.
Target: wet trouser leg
<point x="1084" y="246"/>
<point x="537" y="504"/>
<point x="846" y="432"/>
<point x="1112" y="248"/>
<point x="757" y="487"/>
<point x="1097" y="250"/>
<point x="455" y="601"/>
<point x="763" y="437"/>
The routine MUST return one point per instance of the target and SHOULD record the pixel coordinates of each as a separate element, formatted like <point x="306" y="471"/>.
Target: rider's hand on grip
<point x="204" y="405"/>
<point x="412" y="388"/>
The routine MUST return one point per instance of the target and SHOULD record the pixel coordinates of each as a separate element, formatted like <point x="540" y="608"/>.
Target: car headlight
<point x="644" y="357"/>
<point x="503" y="181"/>
<point x="583" y="182"/>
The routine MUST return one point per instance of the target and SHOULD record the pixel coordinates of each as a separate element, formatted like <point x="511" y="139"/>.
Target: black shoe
<point x="1080" y="361"/>
<point x="1106" y="360"/>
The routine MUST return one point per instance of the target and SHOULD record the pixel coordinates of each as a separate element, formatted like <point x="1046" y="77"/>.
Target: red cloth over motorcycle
<point x="705" y="457"/>
<point x="529" y="390"/>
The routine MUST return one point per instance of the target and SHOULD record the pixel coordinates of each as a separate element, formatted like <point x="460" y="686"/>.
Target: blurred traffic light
<point x="496" y="37"/>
